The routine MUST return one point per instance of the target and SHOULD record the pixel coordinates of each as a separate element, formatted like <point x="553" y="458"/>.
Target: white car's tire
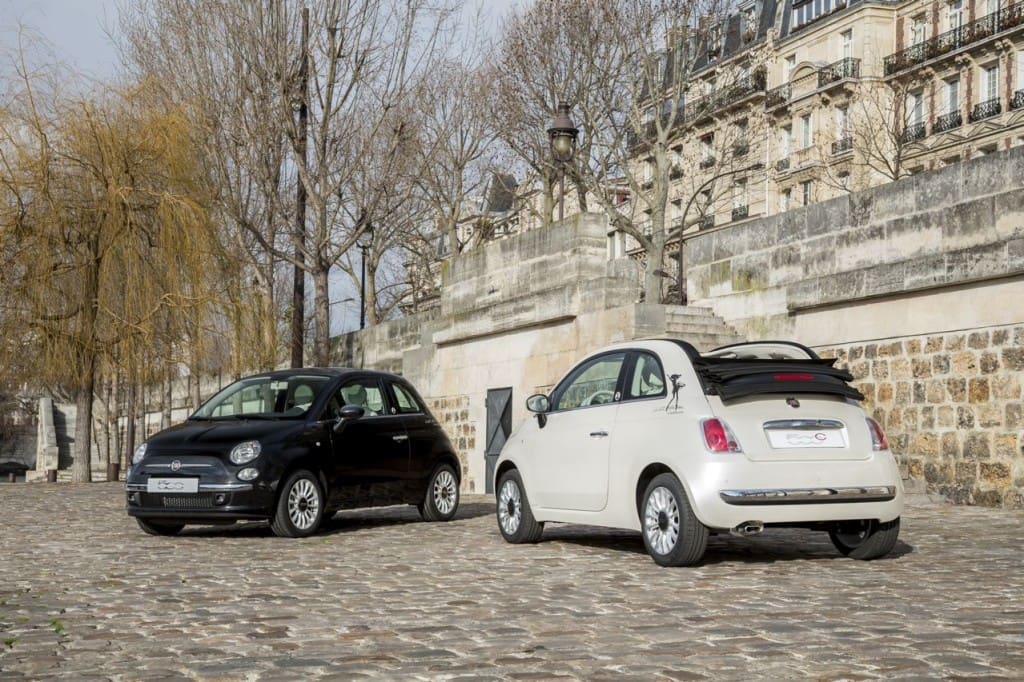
<point x="672" y="533"/>
<point x="515" y="518"/>
<point x="866" y="539"/>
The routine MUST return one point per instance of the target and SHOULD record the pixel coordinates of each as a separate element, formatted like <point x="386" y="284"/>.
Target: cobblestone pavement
<point x="85" y="594"/>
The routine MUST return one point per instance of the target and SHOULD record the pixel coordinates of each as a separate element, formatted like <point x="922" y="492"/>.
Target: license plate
<point x="172" y="485"/>
<point x="805" y="438"/>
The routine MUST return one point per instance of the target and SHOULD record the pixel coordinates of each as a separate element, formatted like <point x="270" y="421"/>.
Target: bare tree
<point x="105" y="246"/>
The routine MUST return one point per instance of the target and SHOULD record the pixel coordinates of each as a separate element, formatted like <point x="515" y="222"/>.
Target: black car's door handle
<point x="399" y="438"/>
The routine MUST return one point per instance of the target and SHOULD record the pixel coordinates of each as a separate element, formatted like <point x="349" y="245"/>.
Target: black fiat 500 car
<point x="294" y="447"/>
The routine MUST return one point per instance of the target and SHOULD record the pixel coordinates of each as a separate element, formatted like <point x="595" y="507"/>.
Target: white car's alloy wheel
<point x="661" y="520"/>
<point x="510" y="507"/>
<point x="303" y="504"/>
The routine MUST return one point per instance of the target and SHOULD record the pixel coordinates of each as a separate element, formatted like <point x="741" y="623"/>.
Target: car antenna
<point x="674" y="400"/>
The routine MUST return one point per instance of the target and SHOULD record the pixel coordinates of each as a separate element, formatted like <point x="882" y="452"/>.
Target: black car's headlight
<point x="245" y="452"/>
<point x="139" y="453"/>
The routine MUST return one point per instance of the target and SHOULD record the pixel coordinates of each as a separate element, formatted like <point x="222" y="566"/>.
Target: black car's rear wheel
<point x="159" y="527"/>
<point x="300" y="506"/>
<point x="673" y="535"/>
<point x="865" y="539"/>
<point x="441" y="500"/>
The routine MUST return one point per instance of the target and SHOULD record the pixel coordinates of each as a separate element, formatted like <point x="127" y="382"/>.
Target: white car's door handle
<point x="399" y="439"/>
<point x="598" y="434"/>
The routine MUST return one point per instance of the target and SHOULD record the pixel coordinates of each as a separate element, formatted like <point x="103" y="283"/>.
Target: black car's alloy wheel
<point x="441" y="500"/>
<point x="160" y="528"/>
<point x="300" y="506"/>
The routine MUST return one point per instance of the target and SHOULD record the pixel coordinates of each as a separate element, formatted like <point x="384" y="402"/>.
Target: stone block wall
<point x="951" y="406"/>
<point x="453" y="413"/>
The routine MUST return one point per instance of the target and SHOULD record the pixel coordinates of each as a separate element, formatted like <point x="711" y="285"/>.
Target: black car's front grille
<point x="187" y="501"/>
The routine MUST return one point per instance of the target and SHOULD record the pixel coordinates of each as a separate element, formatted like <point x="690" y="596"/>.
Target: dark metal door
<point x="499" y="425"/>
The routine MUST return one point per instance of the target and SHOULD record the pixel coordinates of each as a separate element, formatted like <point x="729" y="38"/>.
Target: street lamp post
<point x="562" y="135"/>
<point x="364" y="247"/>
<point x="682" y="220"/>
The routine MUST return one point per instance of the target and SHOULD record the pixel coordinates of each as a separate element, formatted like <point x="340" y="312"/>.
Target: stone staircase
<point x="700" y="327"/>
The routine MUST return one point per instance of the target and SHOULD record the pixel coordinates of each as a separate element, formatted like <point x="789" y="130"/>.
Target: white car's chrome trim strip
<point x="802" y="424"/>
<point x="872" y="493"/>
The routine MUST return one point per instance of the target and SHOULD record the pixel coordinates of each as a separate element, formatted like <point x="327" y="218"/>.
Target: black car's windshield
<point x="264" y="397"/>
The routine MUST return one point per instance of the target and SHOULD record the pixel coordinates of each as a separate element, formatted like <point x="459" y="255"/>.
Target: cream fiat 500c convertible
<point x="657" y="437"/>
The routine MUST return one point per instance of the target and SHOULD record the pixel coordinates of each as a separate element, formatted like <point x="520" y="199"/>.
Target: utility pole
<point x="299" y="274"/>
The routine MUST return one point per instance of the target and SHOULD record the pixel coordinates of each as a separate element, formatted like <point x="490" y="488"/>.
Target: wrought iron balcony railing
<point x="837" y="71"/>
<point x="675" y="172"/>
<point x="948" y="122"/>
<point x="1017" y="101"/>
<point x="912" y="133"/>
<point x="843" y="144"/>
<point x="707" y="162"/>
<point x="986" y="109"/>
<point x="986" y="26"/>
<point x="740" y="148"/>
<point x="740" y="212"/>
<point x="782" y="165"/>
<point x="707" y="221"/>
<point x="777" y="96"/>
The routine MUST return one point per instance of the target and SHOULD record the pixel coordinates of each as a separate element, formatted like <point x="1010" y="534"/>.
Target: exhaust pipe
<point x="747" y="528"/>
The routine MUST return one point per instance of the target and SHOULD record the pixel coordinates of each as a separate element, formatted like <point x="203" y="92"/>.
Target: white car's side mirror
<point x="538" y="403"/>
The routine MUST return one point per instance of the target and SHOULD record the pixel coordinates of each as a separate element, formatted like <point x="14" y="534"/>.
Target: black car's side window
<point x="406" y="402"/>
<point x="365" y="393"/>
<point x="593" y="383"/>
<point x="647" y="379"/>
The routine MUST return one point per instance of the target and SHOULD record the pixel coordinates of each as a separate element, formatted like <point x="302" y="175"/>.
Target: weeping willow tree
<point x="109" y="259"/>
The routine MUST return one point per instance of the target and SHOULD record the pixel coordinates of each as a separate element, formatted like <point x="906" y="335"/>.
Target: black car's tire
<point x="441" y="499"/>
<point x="865" y="539"/>
<point x="159" y="527"/>
<point x="300" y="506"/>
<point x="515" y="518"/>
<point x="672" y="533"/>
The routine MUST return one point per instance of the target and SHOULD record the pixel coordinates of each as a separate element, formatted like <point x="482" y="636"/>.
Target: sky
<point x="78" y="33"/>
<point x="77" y="29"/>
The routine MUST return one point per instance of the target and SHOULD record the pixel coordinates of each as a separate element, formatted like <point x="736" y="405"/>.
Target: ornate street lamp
<point x="364" y="245"/>
<point x="562" y="135"/>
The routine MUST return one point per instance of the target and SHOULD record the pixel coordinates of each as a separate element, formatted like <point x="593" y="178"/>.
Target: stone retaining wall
<point x="951" y="407"/>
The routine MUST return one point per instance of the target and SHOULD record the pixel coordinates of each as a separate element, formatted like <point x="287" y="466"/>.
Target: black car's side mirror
<point x="347" y="414"/>
<point x="541" y="405"/>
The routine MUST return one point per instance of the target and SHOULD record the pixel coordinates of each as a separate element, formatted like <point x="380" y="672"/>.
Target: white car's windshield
<point x="264" y="397"/>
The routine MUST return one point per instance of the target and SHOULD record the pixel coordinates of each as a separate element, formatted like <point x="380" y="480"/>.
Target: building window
<point x="918" y="30"/>
<point x="786" y="200"/>
<point x="707" y="151"/>
<point x="806" y="131"/>
<point x="914" y="108"/>
<point x="739" y="194"/>
<point x="806" y="191"/>
<point x="842" y="123"/>
<point x="951" y="95"/>
<point x="1020" y="70"/>
<point x="846" y="43"/>
<point x="844" y="180"/>
<point x="992" y="6"/>
<point x="990" y="82"/>
<point x="787" y="68"/>
<point x="785" y="137"/>
<point x="955" y="14"/>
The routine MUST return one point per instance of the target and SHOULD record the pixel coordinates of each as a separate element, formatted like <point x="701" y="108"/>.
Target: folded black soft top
<point x="731" y="378"/>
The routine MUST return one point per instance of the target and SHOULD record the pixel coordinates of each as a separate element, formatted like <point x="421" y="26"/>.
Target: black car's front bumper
<point x="220" y="495"/>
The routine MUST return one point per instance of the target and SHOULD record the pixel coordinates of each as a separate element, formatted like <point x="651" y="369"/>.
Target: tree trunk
<point x="653" y="281"/>
<point x="129" y="425"/>
<point x="81" y="469"/>
<point x="322" y="313"/>
<point x="165" y="416"/>
<point x="371" y="292"/>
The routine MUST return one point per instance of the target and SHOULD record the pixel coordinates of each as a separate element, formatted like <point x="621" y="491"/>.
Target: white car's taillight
<point x="878" y="439"/>
<point x="718" y="437"/>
